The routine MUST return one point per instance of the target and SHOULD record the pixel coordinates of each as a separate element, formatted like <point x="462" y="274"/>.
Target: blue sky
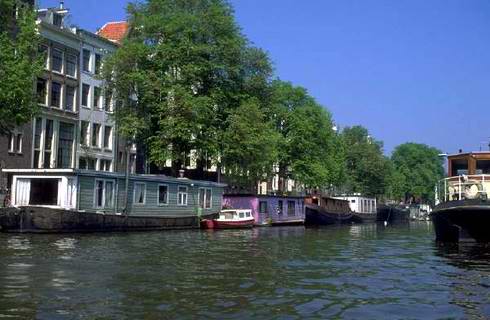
<point x="413" y="70"/>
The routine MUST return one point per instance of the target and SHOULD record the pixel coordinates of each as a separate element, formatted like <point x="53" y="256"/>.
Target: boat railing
<point x="463" y="187"/>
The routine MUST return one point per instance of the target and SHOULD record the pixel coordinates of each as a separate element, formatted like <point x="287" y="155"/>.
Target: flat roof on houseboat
<point x="106" y="174"/>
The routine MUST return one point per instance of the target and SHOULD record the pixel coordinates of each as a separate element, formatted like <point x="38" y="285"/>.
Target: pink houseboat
<point x="269" y="209"/>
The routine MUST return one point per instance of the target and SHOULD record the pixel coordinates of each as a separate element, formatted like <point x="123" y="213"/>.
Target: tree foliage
<point x="19" y="66"/>
<point x="367" y="169"/>
<point x="183" y="70"/>
<point x="308" y="145"/>
<point x="250" y="145"/>
<point x="417" y="168"/>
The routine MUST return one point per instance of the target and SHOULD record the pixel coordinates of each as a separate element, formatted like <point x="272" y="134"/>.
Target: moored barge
<point x="69" y="200"/>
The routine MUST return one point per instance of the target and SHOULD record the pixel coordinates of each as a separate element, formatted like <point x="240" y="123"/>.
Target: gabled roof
<point x="114" y="31"/>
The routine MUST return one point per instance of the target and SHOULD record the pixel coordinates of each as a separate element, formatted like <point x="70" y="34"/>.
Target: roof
<point x="114" y="31"/>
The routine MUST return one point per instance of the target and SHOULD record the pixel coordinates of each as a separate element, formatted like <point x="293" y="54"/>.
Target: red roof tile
<point x="114" y="31"/>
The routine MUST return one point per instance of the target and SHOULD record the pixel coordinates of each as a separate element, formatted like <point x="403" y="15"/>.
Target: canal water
<point x="352" y="272"/>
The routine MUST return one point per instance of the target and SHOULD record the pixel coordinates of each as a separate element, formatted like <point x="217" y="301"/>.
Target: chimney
<point x="62" y="4"/>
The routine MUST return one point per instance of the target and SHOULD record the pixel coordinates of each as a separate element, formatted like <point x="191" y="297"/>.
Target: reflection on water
<point x="361" y="271"/>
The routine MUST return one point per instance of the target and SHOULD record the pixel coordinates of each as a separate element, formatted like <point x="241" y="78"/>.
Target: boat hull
<point x="465" y="220"/>
<point x="318" y="216"/>
<point x="48" y="220"/>
<point x="217" y="224"/>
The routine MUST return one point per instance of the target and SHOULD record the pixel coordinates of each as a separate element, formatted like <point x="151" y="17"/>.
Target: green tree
<point x="418" y="167"/>
<point x="19" y="65"/>
<point x="182" y="71"/>
<point x="308" y="144"/>
<point x="367" y="169"/>
<point x="250" y="145"/>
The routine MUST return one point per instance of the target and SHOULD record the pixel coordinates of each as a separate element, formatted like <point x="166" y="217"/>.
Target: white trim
<point x="104" y="182"/>
<point x="158" y="194"/>
<point x="205" y="198"/>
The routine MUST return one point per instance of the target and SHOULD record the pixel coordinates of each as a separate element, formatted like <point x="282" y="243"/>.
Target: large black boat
<point x="462" y="209"/>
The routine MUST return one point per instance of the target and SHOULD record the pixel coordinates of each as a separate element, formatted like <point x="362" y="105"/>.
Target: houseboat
<point x="269" y="209"/>
<point x="70" y="200"/>
<point x="230" y="219"/>
<point x="325" y="210"/>
<point x="462" y="210"/>
<point x="363" y="208"/>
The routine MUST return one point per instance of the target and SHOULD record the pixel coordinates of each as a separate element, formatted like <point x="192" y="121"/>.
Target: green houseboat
<point x="68" y="200"/>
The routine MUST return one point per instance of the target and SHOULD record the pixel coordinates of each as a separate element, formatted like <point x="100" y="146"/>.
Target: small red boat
<point x="230" y="219"/>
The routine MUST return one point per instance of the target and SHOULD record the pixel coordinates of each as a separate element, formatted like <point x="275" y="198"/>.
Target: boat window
<point x="459" y="167"/>
<point x="205" y="195"/>
<point x="280" y="207"/>
<point x="263" y="206"/>
<point x="162" y="194"/>
<point x="353" y="201"/>
<point x="248" y="214"/>
<point x="229" y="215"/>
<point x="291" y="208"/>
<point x="182" y="196"/>
<point x="242" y="214"/>
<point x="44" y="192"/>
<point x="139" y="193"/>
<point x="482" y="167"/>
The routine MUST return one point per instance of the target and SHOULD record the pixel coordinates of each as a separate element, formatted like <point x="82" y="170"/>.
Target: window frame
<point x="89" y="67"/>
<point x="205" y="198"/>
<point x="97" y="98"/>
<point x="166" y="197"/>
<point x="87" y="105"/>
<point x="144" y="194"/>
<point x="66" y="65"/>
<point x="95" y="134"/>
<point x="103" y="200"/>
<point x="53" y="50"/>
<point x="266" y="207"/>
<point x="186" y="193"/>
<point x="60" y="101"/>
<point x="74" y="99"/>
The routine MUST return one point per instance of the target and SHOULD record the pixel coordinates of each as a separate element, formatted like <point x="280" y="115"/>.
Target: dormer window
<point x="57" y="20"/>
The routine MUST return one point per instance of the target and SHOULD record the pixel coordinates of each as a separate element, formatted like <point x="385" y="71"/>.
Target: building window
<point x="65" y="145"/>
<point x="48" y="143"/>
<point x="55" y="94"/>
<point x="43" y="53"/>
<point x="97" y="96"/>
<point x="108" y="101"/>
<point x="291" y="208"/>
<point x="95" y="135"/>
<point x="105" y="165"/>
<point x="182" y="196"/>
<point x="108" y="138"/>
<point x="262" y="206"/>
<point x="280" y="207"/>
<point x="57" y="20"/>
<point x="162" y="194"/>
<point x="86" y="60"/>
<point x="70" y="98"/>
<point x="87" y="163"/>
<point x="205" y="198"/>
<point x="84" y="133"/>
<point x="139" y="193"/>
<point x="71" y="65"/>
<point x="98" y="63"/>
<point x="37" y="142"/>
<point x="57" y="60"/>
<point x="85" y="94"/>
<point x="104" y="194"/>
<point x="41" y="91"/>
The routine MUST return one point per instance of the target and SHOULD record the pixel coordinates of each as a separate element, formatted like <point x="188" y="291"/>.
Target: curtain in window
<point x="22" y="192"/>
<point x="109" y="187"/>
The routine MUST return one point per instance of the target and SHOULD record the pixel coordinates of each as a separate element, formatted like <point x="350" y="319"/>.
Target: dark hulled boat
<point x="462" y="209"/>
<point x="324" y="210"/>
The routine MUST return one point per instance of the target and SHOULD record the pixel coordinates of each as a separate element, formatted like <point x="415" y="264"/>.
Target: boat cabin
<point x="235" y="215"/>
<point x="468" y="177"/>
<point x="332" y="205"/>
<point x="269" y="209"/>
<point x="359" y="204"/>
<point x="105" y="192"/>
